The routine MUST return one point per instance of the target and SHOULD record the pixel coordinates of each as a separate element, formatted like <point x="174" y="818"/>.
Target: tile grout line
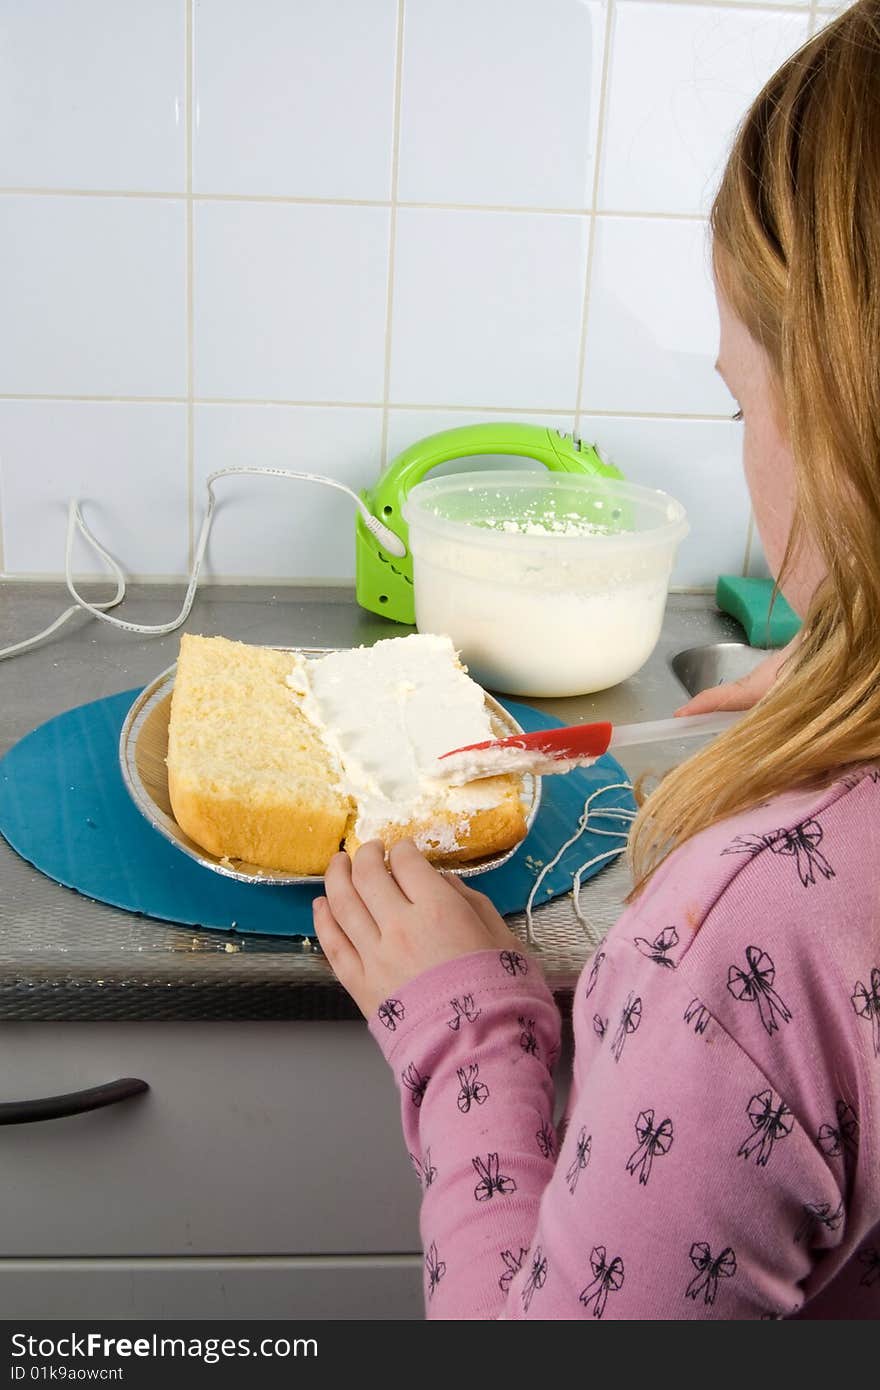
<point x="514" y="209"/>
<point x="434" y="406"/>
<point x="413" y="406"/>
<point x="181" y="194"/>
<point x="392" y="234"/>
<point x="190" y="263"/>
<point x="771" y="8"/>
<point x="750" y="534"/>
<point x="591" y="240"/>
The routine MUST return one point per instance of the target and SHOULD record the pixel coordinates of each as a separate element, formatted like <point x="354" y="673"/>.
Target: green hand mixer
<point x="385" y="580"/>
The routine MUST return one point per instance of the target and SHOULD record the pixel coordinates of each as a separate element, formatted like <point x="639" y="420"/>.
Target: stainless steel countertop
<point x="63" y="956"/>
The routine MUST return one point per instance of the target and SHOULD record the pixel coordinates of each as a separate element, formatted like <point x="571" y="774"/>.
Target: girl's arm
<point x="471" y="1045"/>
<point x="471" y="1032"/>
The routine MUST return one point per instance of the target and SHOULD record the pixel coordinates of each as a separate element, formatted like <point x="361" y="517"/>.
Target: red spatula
<point x="558" y="750"/>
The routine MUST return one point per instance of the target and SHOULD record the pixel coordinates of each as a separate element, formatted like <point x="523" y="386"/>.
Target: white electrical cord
<point x="392" y="543"/>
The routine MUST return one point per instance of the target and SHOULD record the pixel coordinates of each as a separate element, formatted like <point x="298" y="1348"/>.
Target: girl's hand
<point x="382" y="925"/>
<point x="745" y="692"/>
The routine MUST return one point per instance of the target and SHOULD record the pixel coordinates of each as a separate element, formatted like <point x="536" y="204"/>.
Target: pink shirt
<point x="719" y="1156"/>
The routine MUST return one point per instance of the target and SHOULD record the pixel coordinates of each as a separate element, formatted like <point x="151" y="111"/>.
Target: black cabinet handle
<point x="24" y="1112"/>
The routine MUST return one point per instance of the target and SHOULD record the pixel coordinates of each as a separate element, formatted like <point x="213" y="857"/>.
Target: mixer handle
<point x="558" y="452"/>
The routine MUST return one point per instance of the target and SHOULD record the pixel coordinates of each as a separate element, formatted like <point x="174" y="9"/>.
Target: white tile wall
<point x="294" y="99"/>
<point x="283" y="231"/>
<point x="93" y="296"/>
<point x="487" y="308"/>
<point x="665" y="140"/>
<point x="651" y="323"/>
<point x="489" y="88"/>
<point x="270" y="527"/>
<point x="126" y="463"/>
<point x="289" y="301"/>
<point x="93" y="94"/>
<point x="756" y="560"/>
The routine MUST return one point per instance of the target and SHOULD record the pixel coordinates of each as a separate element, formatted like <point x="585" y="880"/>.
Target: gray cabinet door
<point x="329" y="1287"/>
<point x="255" y="1138"/>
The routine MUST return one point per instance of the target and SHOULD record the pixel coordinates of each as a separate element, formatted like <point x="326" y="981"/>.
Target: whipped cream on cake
<point x="388" y="712"/>
<point x="501" y="762"/>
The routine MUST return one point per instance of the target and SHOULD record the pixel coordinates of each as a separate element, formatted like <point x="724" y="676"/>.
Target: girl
<point x="721" y="1155"/>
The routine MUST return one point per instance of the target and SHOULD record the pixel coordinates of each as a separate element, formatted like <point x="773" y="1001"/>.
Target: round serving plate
<point x="143" y="748"/>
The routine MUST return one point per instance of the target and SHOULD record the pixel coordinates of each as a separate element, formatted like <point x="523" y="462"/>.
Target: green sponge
<point x="748" y="600"/>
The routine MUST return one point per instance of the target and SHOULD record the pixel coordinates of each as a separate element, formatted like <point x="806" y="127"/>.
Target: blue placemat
<point x="64" y="808"/>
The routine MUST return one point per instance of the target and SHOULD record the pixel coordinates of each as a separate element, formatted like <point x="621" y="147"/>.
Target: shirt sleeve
<point x="472" y="1044"/>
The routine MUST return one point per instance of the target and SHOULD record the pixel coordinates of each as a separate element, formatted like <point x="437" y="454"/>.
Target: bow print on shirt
<point x="710" y="1268"/>
<point x="697" y="1014"/>
<point x="472" y="1090"/>
<point x="527" y="1039"/>
<point x="870" y="1258"/>
<point x="463" y="1009"/>
<point x="653" y="1141"/>
<point x="866" y="1002"/>
<point x="818" y="1214"/>
<point x="800" y="843"/>
<point x="608" y="1278"/>
<point x="658" y="949"/>
<point x="630" y="1019"/>
<point x="599" y="1025"/>
<point x="546" y="1141"/>
<point x="852" y="779"/>
<point x="491" y="1181"/>
<point x="512" y="1265"/>
<point x="436" y="1268"/>
<point x="771" y="1120"/>
<point x="842" y="1137"/>
<point x="582" y="1153"/>
<point x="426" y="1171"/>
<point x="391" y="1012"/>
<point x="594" y="973"/>
<point x="415" y="1083"/>
<point x="755" y="986"/>
<point x="514" y="963"/>
<point x="537" y="1277"/>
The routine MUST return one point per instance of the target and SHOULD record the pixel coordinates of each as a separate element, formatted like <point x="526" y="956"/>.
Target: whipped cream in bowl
<point x="549" y="584"/>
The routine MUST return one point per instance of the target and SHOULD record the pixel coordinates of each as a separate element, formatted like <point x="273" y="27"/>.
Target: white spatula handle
<point x="688" y="726"/>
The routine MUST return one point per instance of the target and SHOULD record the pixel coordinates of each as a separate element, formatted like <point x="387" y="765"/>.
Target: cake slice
<point x="249" y="776"/>
<point x="278" y="760"/>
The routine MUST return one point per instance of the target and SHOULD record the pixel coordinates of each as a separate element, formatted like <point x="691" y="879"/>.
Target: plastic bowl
<point x="549" y="584"/>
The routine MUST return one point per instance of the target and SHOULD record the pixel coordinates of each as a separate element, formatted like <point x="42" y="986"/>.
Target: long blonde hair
<point x="796" y="245"/>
